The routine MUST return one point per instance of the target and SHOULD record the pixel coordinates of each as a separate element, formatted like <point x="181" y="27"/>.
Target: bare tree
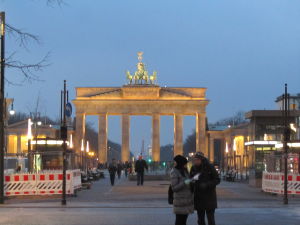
<point x="236" y="119"/>
<point x="23" y="38"/>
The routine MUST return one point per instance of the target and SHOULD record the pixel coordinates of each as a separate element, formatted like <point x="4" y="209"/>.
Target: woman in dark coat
<point x="183" y="204"/>
<point x="205" y="178"/>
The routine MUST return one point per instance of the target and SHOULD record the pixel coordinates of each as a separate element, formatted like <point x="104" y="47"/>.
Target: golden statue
<point x="141" y="74"/>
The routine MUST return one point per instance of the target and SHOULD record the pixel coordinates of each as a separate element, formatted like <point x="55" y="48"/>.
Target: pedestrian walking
<point x="205" y="179"/>
<point x="140" y="166"/>
<point x="119" y="169"/>
<point x="126" y="168"/>
<point x="183" y="204"/>
<point x="112" y="169"/>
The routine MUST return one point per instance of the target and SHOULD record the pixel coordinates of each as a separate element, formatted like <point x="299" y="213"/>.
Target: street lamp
<point x="87" y="154"/>
<point x="87" y="147"/>
<point x="81" y="153"/>
<point x="71" y="141"/>
<point x="226" y="151"/>
<point x="12" y="111"/>
<point x="29" y="138"/>
<point x="234" y="153"/>
<point x="2" y="100"/>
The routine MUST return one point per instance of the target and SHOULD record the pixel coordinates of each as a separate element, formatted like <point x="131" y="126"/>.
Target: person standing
<point x="205" y="179"/>
<point x="126" y="168"/>
<point x="140" y="166"/>
<point x="119" y="169"/>
<point x="183" y="204"/>
<point x="112" y="169"/>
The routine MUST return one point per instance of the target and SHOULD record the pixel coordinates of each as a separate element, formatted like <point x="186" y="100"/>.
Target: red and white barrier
<point x="20" y="184"/>
<point x="274" y="183"/>
<point x="46" y="183"/>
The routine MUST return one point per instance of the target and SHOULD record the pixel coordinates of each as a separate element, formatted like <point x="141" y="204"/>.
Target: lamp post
<point x="64" y="137"/>
<point x="226" y="152"/>
<point x="286" y="139"/>
<point x="81" y="155"/>
<point x="234" y="157"/>
<point x="12" y="112"/>
<point x="87" y="154"/>
<point x="29" y="138"/>
<point x="2" y="105"/>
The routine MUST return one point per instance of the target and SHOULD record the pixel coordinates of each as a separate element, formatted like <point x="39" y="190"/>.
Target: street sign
<point x="68" y="109"/>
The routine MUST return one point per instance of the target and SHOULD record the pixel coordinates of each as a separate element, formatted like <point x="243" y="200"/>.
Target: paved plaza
<point x="128" y="204"/>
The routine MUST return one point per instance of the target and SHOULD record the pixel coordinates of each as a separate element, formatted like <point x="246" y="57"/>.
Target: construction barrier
<point x="43" y="183"/>
<point x="274" y="183"/>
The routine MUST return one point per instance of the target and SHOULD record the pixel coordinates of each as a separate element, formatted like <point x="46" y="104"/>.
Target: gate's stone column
<point x="178" y="133"/>
<point x="156" y="138"/>
<point x="79" y="135"/>
<point x="201" y="133"/>
<point x="102" y="138"/>
<point x="19" y="144"/>
<point x="212" y="149"/>
<point x="125" y="155"/>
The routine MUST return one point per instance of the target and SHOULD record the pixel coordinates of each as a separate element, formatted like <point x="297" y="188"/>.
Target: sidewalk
<point x="128" y="204"/>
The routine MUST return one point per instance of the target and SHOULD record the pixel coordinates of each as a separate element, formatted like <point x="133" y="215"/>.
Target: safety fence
<point x="43" y="183"/>
<point x="274" y="183"/>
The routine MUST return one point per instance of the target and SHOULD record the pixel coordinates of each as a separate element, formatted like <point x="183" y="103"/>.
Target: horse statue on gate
<point x="141" y="76"/>
<point x="129" y="77"/>
<point x="153" y="77"/>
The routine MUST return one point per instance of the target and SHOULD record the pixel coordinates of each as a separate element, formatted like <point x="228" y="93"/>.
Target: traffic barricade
<point x="274" y="183"/>
<point x="43" y="183"/>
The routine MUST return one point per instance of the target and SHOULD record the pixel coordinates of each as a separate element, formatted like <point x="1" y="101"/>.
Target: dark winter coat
<point x="205" y="196"/>
<point x="119" y="167"/>
<point x="112" y="168"/>
<point x="182" y="195"/>
<point x="140" y="166"/>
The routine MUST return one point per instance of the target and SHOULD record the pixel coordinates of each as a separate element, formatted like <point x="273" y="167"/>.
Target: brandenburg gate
<point x="141" y="96"/>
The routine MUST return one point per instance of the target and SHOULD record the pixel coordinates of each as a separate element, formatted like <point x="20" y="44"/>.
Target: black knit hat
<point x="199" y="155"/>
<point x="180" y="160"/>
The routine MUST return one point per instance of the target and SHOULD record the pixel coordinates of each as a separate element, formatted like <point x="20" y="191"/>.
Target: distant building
<point x="256" y="146"/>
<point x="294" y="102"/>
<point x="45" y="146"/>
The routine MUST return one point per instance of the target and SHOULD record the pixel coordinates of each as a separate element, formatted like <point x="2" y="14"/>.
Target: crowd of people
<point x="189" y="191"/>
<point x="115" y="168"/>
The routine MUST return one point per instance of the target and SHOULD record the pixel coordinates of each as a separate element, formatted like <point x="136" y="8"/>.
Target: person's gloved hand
<point x="196" y="177"/>
<point x="187" y="181"/>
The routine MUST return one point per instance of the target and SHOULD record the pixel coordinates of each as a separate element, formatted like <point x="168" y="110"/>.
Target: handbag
<point x="170" y="195"/>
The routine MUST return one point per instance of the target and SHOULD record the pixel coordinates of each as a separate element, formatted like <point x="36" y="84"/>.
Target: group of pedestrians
<point x="116" y="168"/>
<point x="194" y="190"/>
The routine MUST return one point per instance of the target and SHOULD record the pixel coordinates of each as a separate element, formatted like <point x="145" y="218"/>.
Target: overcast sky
<point x="243" y="51"/>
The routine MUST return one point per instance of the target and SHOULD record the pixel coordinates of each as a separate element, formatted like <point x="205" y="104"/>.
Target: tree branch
<point x="58" y="2"/>
<point x="28" y="70"/>
<point x="21" y="36"/>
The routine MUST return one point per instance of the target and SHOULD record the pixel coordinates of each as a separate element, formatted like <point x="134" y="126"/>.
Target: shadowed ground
<point x="128" y="204"/>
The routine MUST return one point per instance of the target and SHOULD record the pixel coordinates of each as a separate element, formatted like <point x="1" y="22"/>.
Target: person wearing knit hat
<point x="183" y="204"/>
<point x="205" y="179"/>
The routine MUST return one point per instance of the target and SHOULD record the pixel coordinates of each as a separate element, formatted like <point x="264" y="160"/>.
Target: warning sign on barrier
<point x="274" y="183"/>
<point x="46" y="183"/>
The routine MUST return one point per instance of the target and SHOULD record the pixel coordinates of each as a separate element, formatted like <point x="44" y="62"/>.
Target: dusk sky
<point x="243" y="51"/>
